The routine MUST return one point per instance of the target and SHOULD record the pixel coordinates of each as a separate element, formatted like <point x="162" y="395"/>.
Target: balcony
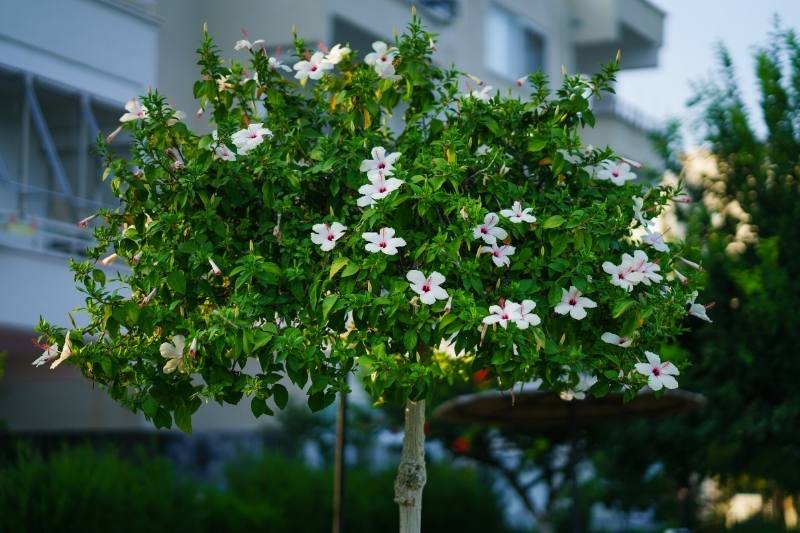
<point x="625" y="128"/>
<point x="601" y="27"/>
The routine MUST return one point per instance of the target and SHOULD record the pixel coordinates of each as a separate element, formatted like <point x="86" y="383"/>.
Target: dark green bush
<point x="80" y="489"/>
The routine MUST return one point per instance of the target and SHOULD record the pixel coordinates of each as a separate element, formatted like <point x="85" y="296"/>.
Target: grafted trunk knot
<point x="411" y="478"/>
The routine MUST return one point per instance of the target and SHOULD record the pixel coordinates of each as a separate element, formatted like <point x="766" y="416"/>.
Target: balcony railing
<point x="630" y="114"/>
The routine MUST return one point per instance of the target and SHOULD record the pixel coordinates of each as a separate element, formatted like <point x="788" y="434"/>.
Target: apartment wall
<point x="109" y="50"/>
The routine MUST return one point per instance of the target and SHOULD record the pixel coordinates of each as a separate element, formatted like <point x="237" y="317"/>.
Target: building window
<point x="513" y="47"/>
<point x="49" y="176"/>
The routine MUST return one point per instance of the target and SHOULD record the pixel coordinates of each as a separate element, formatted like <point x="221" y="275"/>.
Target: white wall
<point x="107" y="51"/>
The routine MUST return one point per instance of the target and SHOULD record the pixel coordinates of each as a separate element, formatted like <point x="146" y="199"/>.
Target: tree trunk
<point x="411" y="473"/>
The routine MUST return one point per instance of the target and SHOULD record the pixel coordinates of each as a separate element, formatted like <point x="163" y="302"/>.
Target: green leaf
<point x="620" y="306"/>
<point x="280" y="395"/>
<point x="351" y="269"/>
<point x="261" y="338"/>
<point x="99" y="276"/>
<point x="259" y="407"/>
<point x="410" y="341"/>
<point x="337" y="264"/>
<point x="269" y="273"/>
<point x="553" y="222"/>
<point x="327" y="305"/>
<point x="150" y="407"/>
<point x="177" y="282"/>
<point x="537" y="144"/>
<point x="183" y="418"/>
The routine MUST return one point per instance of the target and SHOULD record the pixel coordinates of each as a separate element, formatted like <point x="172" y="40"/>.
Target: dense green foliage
<point x="745" y="219"/>
<point x="87" y="491"/>
<point x="275" y="296"/>
<point x="746" y="365"/>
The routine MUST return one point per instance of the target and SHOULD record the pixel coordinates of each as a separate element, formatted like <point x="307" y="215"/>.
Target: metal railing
<point x="613" y="105"/>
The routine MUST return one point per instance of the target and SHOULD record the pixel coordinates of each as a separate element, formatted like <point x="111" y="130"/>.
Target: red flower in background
<point x="461" y="445"/>
<point x="480" y="376"/>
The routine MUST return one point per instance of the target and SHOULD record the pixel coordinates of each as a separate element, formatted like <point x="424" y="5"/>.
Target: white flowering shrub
<point x="307" y="235"/>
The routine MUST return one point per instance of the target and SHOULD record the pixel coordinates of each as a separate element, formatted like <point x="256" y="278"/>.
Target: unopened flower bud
<point x="193" y="347"/>
<point x="109" y="259"/>
<point x="113" y="135"/>
<point x="85" y="222"/>
<point x="146" y="299"/>
<point x="214" y="268"/>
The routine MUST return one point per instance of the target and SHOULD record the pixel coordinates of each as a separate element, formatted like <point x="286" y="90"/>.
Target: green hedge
<point x="80" y="489"/>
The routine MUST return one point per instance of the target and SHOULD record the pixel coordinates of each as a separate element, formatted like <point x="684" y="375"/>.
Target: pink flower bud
<point x="146" y="299"/>
<point x="631" y="162"/>
<point x="683" y="279"/>
<point x="108" y="260"/>
<point x="85" y="222"/>
<point x="193" y="347"/>
<point x="214" y="268"/>
<point x="113" y="135"/>
<point x="691" y="264"/>
<point x="682" y="199"/>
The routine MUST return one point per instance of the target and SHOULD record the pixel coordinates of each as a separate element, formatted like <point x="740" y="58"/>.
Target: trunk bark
<point x="411" y="475"/>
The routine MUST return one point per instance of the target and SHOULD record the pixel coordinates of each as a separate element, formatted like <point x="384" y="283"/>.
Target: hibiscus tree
<point x="335" y="243"/>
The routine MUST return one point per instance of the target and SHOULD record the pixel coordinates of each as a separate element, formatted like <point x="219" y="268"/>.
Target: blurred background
<point x="709" y="95"/>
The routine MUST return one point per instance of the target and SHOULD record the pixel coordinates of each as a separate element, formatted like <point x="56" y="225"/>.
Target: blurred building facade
<point x="68" y="66"/>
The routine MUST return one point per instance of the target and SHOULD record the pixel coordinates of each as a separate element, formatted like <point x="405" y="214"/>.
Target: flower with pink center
<point x="525" y="316"/>
<point x="656" y="240"/>
<point x="641" y="265"/>
<point x="383" y="241"/>
<point x="250" y="137"/>
<point x="314" y="68"/>
<point x="659" y="375"/>
<point x="521" y="81"/>
<point x="616" y="340"/>
<point x="326" y="235"/>
<point x="378" y="187"/>
<point x="499" y="254"/>
<point x="574" y="304"/>
<point x="517" y="214"/>
<point x="618" y="172"/>
<point x="381" y="163"/>
<point x="623" y="276"/>
<point x="506" y="311"/>
<point x="383" y="54"/>
<point x="428" y="287"/>
<point x="488" y="231"/>
<point x="135" y="111"/>
<point x="223" y="152"/>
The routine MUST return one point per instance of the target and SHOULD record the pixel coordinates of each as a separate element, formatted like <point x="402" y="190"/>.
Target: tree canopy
<point x="315" y="235"/>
